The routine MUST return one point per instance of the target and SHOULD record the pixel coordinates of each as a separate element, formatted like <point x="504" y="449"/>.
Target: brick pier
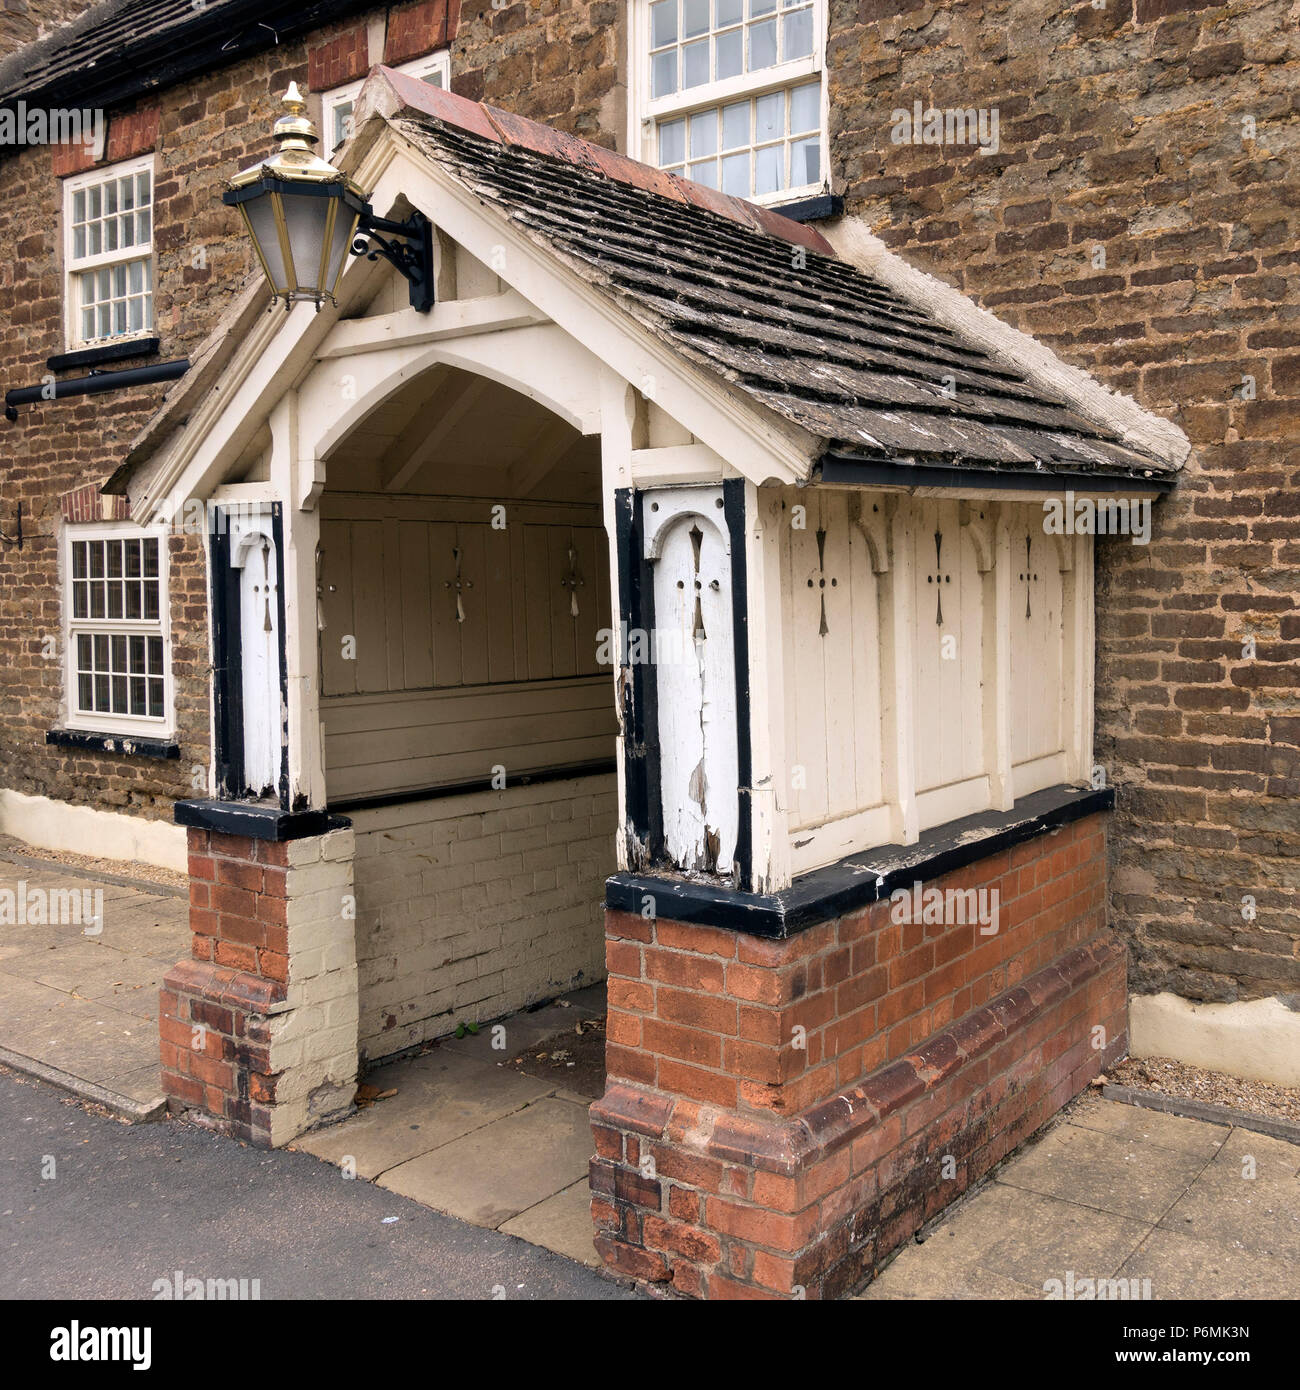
<point x="259" y="1028"/>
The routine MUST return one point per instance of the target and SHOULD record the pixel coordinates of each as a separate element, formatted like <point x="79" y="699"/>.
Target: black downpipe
<point x="93" y="384"/>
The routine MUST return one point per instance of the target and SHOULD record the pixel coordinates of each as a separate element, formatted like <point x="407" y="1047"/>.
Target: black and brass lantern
<point x="305" y="216"/>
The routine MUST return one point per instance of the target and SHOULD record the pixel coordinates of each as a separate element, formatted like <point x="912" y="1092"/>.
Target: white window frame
<point x="645" y="113"/>
<point x="420" y="68"/>
<point x="141" y="726"/>
<point x="73" y="270"/>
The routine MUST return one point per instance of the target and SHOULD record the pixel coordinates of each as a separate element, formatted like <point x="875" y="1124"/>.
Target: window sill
<point x="122" y="745"/>
<point x="104" y="353"/>
<point x="859" y="879"/>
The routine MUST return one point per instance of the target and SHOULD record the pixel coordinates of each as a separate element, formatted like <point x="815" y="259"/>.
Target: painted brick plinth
<point x="259" y="1028"/>
<point x="780" y="1115"/>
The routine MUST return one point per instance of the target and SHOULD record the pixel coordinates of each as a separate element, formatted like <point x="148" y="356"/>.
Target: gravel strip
<point x="11" y="844"/>
<point x="1169" y="1078"/>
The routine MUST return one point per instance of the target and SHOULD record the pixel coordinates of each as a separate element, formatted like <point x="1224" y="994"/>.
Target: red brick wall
<point x="1122" y="128"/>
<point x="732" y="1161"/>
<point x="713" y="1014"/>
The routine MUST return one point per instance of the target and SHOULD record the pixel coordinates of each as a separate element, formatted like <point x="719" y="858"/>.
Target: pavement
<point x="471" y="1136"/>
<point x="1202" y="1211"/>
<point x="94" y="1208"/>
<point x="79" y="998"/>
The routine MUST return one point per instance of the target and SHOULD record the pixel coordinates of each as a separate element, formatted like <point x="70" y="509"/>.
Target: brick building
<point x="791" y="1060"/>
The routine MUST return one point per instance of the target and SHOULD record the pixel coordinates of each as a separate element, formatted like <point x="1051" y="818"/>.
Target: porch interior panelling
<point x="464" y="582"/>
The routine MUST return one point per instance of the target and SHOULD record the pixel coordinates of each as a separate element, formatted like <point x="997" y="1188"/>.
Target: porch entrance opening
<point x="468" y="725"/>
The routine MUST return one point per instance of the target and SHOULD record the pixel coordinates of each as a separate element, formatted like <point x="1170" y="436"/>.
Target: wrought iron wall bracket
<point x="412" y="256"/>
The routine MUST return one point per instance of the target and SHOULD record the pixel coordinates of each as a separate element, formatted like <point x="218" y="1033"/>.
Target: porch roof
<point x="763" y="302"/>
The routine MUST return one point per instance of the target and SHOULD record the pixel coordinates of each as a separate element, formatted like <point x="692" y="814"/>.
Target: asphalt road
<point x="129" y="1205"/>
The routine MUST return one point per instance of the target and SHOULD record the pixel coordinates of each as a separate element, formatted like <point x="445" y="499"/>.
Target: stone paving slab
<point x="561" y="1223"/>
<point x="502" y="1169"/>
<point x="441" y="1097"/>
<point x="81" y="1010"/>
<point x="1108" y="1172"/>
<point x="1116" y="1192"/>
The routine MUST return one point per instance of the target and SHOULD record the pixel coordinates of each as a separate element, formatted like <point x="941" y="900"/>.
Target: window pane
<point x="101" y="651"/>
<point x="79" y="560"/>
<point x="735" y="175"/>
<point x="695" y="18"/>
<point x="767" y="170"/>
<point x="757" y="7"/>
<point x="84" y="662"/>
<point x="80" y="601"/>
<point x="142" y="223"/>
<point x="695" y="64"/>
<point x="663" y="23"/>
<point x="664" y="79"/>
<point x="729" y="12"/>
<point x="805" y="162"/>
<point x="110" y="197"/>
<point x="735" y="125"/>
<point x="730" y="54"/>
<point x="805" y="108"/>
<point x="94" y="232"/>
<point x="101" y="693"/>
<point x="762" y="45"/>
<point x="95" y="550"/>
<point x="155" y="656"/>
<point x="156" y="699"/>
<point x="704" y="134"/>
<point x="79" y="206"/>
<point x="85" y="694"/>
<point x="672" y="143"/>
<point x="771" y="117"/>
<point x="150" y="548"/>
<point x="798" y="36"/>
<point x="138" y="697"/>
<point x="93" y="202"/>
<point x="134" y="606"/>
<point x="78" y="242"/>
<point x="706" y="173"/>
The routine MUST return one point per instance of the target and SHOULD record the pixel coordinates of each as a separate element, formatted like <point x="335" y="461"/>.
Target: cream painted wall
<point x="47" y="824"/>
<point x="1258" y="1038"/>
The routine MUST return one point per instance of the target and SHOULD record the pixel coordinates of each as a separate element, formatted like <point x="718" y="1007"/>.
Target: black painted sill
<point x="123" y="745"/>
<point x="858" y="880"/>
<point x="814" y="209"/>
<point x="107" y="352"/>
<point x="256" y="820"/>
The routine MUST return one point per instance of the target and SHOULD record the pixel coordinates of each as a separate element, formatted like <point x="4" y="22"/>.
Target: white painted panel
<point x="695" y="679"/>
<point x="254" y="555"/>
<point x="948" y="654"/>
<point x="1037" y="639"/>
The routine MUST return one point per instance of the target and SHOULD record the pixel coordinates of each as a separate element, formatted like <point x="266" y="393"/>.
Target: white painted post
<point x="768" y="759"/>
<point x="297" y="480"/>
<point x="898" y="705"/>
<point x="997" y="665"/>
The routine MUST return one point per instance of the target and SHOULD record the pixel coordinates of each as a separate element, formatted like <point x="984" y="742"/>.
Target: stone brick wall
<point x="259" y="1029"/>
<point x="24" y="21"/>
<point x="782" y="1114"/>
<point x="1125" y="128"/>
<point x="469" y="908"/>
